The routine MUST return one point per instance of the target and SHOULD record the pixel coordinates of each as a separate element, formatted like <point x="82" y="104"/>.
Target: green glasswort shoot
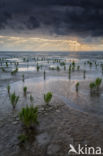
<point x="29" y="116"/>
<point x="47" y="97"/>
<point x="44" y="74"/>
<point x="25" y="90"/>
<point x="31" y="99"/>
<point x="98" y="82"/>
<point x="92" y="86"/>
<point x="8" y="89"/>
<point x="22" y="138"/>
<point x="84" y="74"/>
<point x="77" y="86"/>
<point x="23" y="77"/>
<point x="14" y="99"/>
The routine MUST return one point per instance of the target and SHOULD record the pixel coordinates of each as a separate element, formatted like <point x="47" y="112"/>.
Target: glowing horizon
<point x="15" y="43"/>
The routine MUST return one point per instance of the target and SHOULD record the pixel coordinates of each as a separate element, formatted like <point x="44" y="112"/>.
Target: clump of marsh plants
<point x="73" y="66"/>
<point x="84" y="74"/>
<point x="14" y="71"/>
<point x="31" y="99"/>
<point x="47" y="98"/>
<point x="6" y="64"/>
<point x="96" y="65"/>
<point x="90" y="64"/>
<point x="3" y="69"/>
<point x="24" y="59"/>
<point x="58" y="68"/>
<point x="77" y="86"/>
<point x="84" y="63"/>
<point x="64" y="67"/>
<point x="22" y="138"/>
<point x="78" y="68"/>
<point x="95" y="86"/>
<point x="98" y="83"/>
<point x="69" y="72"/>
<point x="8" y="89"/>
<point x="23" y="77"/>
<point x="69" y="68"/>
<point x="51" y="68"/>
<point x="29" y="116"/>
<point x="14" y="100"/>
<point x="37" y="67"/>
<point x="44" y="74"/>
<point x="25" y="90"/>
<point x="62" y="63"/>
<point x="92" y="87"/>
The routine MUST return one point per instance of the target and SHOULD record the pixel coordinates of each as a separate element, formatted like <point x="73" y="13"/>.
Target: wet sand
<point x="58" y="127"/>
<point x="72" y="118"/>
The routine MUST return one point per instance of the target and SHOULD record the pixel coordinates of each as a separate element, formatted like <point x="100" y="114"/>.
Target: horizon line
<point x="47" y="51"/>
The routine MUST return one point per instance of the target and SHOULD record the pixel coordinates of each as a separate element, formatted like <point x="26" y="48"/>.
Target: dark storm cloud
<point x="4" y="18"/>
<point x="32" y="23"/>
<point x="62" y="17"/>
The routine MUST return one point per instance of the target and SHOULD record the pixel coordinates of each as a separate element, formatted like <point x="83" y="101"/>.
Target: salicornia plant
<point x="31" y="99"/>
<point x="3" y="69"/>
<point x="14" y="99"/>
<point x="44" y="74"/>
<point x="8" y="89"/>
<point x="14" y="71"/>
<point x="77" y="86"/>
<point x="78" y="67"/>
<point x="22" y="138"/>
<point x="73" y="66"/>
<point x="29" y="116"/>
<point x="25" y="90"/>
<point x="58" y="68"/>
<point x="6" y="64"/>
<point x="23" y="77"/>
<point x="92" y="87"/>
<point x="37" y="67"/>
<point x="47" y="97"/>
<point x="64" y="67"/>
<point x="98" y="82"/>
<point x="84" y="74"/>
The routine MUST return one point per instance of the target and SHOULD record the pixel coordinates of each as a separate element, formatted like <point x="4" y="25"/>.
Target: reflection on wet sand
<point x="68" y="119"/>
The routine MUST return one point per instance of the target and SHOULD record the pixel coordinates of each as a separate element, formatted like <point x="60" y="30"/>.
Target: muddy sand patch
<point x="58" y="127"/>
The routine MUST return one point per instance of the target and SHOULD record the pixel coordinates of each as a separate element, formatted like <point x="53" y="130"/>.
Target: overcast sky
<point x="52" y="25"/>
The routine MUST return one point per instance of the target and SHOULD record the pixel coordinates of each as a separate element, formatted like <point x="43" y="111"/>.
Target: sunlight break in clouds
<point x="43" y="44"/>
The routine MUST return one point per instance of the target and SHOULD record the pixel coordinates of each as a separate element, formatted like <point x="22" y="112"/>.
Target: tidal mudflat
<point x="67" y="88"/>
